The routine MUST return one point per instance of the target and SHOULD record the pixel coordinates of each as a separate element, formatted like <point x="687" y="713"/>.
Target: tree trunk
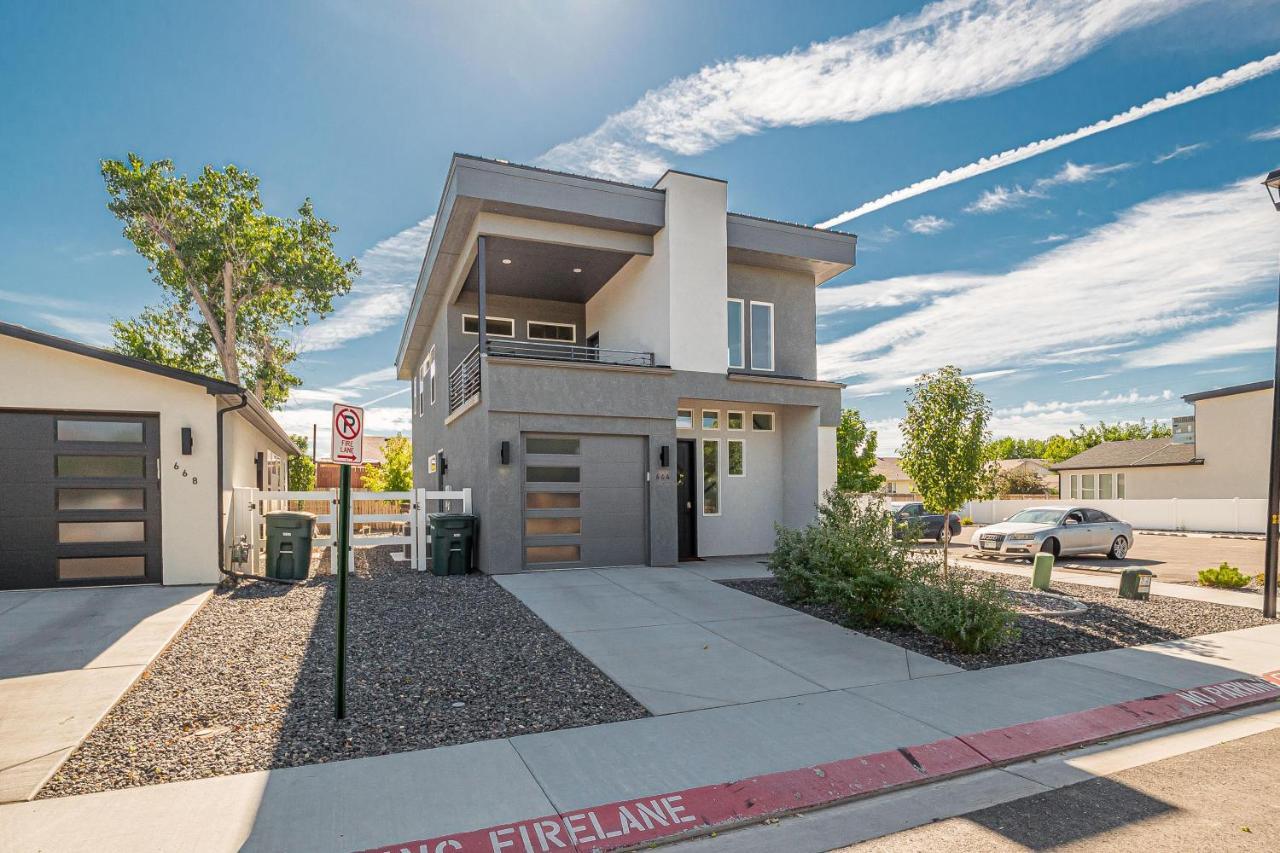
<point x="227" y="351"/>
<point x="946" y="544"/>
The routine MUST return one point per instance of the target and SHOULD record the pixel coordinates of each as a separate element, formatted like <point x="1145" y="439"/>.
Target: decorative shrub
<point x="970" y="616"/>
<point x="847" y="557"/>
<point x="1225" y="575"/>
<point x="967" y="521"/>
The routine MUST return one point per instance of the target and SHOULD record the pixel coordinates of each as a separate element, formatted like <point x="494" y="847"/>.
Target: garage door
<point x="584" y="499"/>
<point x="79" y="499"/>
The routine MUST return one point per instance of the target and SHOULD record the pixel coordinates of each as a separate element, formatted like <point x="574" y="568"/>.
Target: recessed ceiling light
<point x="577" y="269"/>
<point x="506" y="260"/>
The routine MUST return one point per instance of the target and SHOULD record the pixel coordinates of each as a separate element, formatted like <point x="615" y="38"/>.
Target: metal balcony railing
<point x="569" y="352"/>
<point x="464" y="380"/>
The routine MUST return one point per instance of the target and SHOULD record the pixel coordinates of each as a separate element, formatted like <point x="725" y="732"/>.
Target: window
<point x="552" y="474"/>
<point x="100" y="466"/>
<point x="736" y="356"/>
<point x="494" y="327"/>
<point x="1106" y="487"/>
<point x="1093" y="516"/>
<point x="737" y="421"/>
<point x="553" y="500"/>
<point x="553" y="553"/>
<point x="1075" y="485"/>
<point x="711" y="477"/>
<point x="91" y="499"/>
<point x="431" y="377"/>
<point x="563" y="446"/>
<point x="101" y="531"/>
<point x="93" y="568"/>
<point x="542" y="331"/>
<point x="1120" y="486"/>
<point x="711" y="419"/>
<point x="761" y="336"/>
<point x="737" y="457"/>
<point x="762" y="421"/>
<point x="122" y="431"/>
<point x="684" y="418"/>
<point x="552" y="526"/>
<point x="1087" y="486"/>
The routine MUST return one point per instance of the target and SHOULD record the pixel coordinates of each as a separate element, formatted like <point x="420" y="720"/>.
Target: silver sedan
<point x="1058" y="530"/>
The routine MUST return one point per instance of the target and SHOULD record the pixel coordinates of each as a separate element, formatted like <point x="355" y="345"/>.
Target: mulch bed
<point x="248" y="684"/>
<point x="1109" y="623"/>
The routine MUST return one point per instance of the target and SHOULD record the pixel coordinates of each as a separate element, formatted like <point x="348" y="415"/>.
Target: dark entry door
<point x="80" y="502"/>
<point x="686" y="510"/>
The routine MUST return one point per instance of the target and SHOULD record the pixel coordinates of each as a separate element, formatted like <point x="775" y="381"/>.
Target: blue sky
<point x="1098" y="275"/>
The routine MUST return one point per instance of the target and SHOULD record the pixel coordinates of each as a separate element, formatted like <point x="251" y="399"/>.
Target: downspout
<point x="222" y="536"/>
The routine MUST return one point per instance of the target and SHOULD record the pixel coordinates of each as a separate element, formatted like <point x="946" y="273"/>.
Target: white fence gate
<point x="1206" y="515"/>
<point x="249" y="507"/>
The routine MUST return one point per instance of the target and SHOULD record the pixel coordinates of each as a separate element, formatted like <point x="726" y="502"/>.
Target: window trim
<point x="742" y="335"/>
<point x="728" y="420"/>
<point x="773" y="355"/>
<point x="702" y="478"/>
<point x="728" y="457"/>
<point x="692" y="424"/>
<point x="487" y="318"/>
<point x="1074" y="492"/>
<point x="528" y="331"/>
<point x="772" y="422"/>
<point x="431" y="376"/>
<point x="702" y="421"/>
<point x="1120" y="486"/>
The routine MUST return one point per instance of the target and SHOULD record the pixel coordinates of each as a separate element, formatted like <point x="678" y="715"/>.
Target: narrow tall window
<point x="1105" y="487"/>
<point x="431" y="376"/>
<point x="711" y="477"/>
<point x="761" y="336"/>
<point x="736" y="355"/>
<point x="1120" y="486"/>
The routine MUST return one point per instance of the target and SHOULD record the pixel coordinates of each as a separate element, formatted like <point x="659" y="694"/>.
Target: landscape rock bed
<point x="432" y="661"/>
<point x="1109" y="622"/>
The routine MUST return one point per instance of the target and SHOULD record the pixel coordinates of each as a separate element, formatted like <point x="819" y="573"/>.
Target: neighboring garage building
<point x="1219" y="452"/>
<point x="110" y="466"/>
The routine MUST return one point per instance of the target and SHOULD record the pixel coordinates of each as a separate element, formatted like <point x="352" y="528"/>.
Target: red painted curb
<point x="628" y="823"/>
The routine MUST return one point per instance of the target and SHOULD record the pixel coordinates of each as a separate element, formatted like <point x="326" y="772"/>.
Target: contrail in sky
<point x="1210" y="86"/>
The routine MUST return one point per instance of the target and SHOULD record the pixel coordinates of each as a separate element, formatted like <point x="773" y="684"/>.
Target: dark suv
<point x="927" y="525"/>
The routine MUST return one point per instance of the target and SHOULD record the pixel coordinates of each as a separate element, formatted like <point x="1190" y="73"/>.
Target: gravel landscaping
<point x="1109" y="622"/>
<point x="248" y="684"/>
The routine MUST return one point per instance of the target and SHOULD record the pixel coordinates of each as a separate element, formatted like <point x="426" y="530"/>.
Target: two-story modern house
<point x="642" y="387"/>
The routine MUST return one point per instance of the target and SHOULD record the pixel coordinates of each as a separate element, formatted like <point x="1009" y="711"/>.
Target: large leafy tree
<point x="856" y="455"/>
<point x="945" y="443"/>
<point x="395" y="474"/>
<point x="1057" y="448"/>
<point x="235" y="278"/>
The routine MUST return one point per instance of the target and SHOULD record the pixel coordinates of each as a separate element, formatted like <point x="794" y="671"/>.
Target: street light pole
<point x="1272" y="183"/>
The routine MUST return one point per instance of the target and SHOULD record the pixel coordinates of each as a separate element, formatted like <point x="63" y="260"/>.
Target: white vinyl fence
<point x="377" y="518"/>
<point x="1216" y="515"/>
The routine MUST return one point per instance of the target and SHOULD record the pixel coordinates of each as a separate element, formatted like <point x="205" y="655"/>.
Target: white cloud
<point x="380" y="297"/>
<point x="1265" y="135"/>
<point x="1254" y="331"/>
<point x="346" y="391"/>
<point x="1054" y="238"/>
<point x="1210" y="86"/>
<point x="1091" y="377"/>
<point x="1002" y="197"/>
<point x="96" y="332"/>
<point x="35" y="300"/>
<point x="1179" y="152"/>
<point x="1033" y="407"/>
<point x="950" y="50"/>
<point x="928" y="224"/>
<point x="1089" y="300"/>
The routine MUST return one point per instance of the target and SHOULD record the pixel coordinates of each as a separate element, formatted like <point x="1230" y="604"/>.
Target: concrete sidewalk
<point x="678" y="641"/>
<point x="364" y="803"/>
<point x="68" y="655"/>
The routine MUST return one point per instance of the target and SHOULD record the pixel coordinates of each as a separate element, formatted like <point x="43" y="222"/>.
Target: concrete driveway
<point x="1173" y="558"/>
<point x="678" y="641"/>
<point x="67" y="656"/>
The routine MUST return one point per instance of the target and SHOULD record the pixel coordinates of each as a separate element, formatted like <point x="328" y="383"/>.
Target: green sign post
<point x="347" y="449"/>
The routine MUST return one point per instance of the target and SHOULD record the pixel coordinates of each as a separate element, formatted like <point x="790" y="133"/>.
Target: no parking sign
<point x="347" y="447"/>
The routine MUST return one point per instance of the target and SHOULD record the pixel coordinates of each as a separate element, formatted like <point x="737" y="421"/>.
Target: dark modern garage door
<point x="79" y="499"/>
<point x="584" y="499"/>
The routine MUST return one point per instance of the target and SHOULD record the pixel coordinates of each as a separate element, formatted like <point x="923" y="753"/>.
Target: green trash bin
<point x="1136" y="584"/>
<point x="289" y="536"/>
<point x="453" y="542"/>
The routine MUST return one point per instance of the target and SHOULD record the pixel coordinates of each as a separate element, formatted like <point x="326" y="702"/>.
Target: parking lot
<point x="1175" y="559"/>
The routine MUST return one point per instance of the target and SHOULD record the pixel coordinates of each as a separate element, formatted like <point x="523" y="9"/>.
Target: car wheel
<point x="1119" y="548"/>
<point x="1050" y="546"/>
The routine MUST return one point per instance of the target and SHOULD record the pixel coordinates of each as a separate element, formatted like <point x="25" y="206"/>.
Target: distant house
<point x="1219" y="452"/>
<point x="327" y="472"/>
<point x="1038" y="468"/>
<point x="896" y="481"/>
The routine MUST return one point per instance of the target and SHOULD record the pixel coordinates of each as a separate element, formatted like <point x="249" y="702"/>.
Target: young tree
<point x="856" y="455"/>
<point x="302" y="471"/>
<point x="234" y="278"/>
<point x="944" y="443"/>
<point x="395" y="474"/>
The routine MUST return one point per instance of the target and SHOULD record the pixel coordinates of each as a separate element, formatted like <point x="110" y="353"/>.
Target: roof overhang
<point x="786" y="246"/>
<point x="257" y="415"/>
<point x="1231" y="390"/>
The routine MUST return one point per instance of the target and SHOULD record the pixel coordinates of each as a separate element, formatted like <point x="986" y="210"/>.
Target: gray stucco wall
<point x="520" y="309"/>
<point x="794" y="315"/>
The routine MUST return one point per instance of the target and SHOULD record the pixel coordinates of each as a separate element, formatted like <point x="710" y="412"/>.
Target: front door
<point x="686" y="512"/>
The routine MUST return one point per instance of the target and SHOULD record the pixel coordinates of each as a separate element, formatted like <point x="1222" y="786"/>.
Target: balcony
<point x="464" y="381"/>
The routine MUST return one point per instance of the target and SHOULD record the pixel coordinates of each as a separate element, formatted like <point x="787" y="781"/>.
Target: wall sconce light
<point x="504" y="453"/>
<point x="664" y="456"/>
<point x="186" y="441"/>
